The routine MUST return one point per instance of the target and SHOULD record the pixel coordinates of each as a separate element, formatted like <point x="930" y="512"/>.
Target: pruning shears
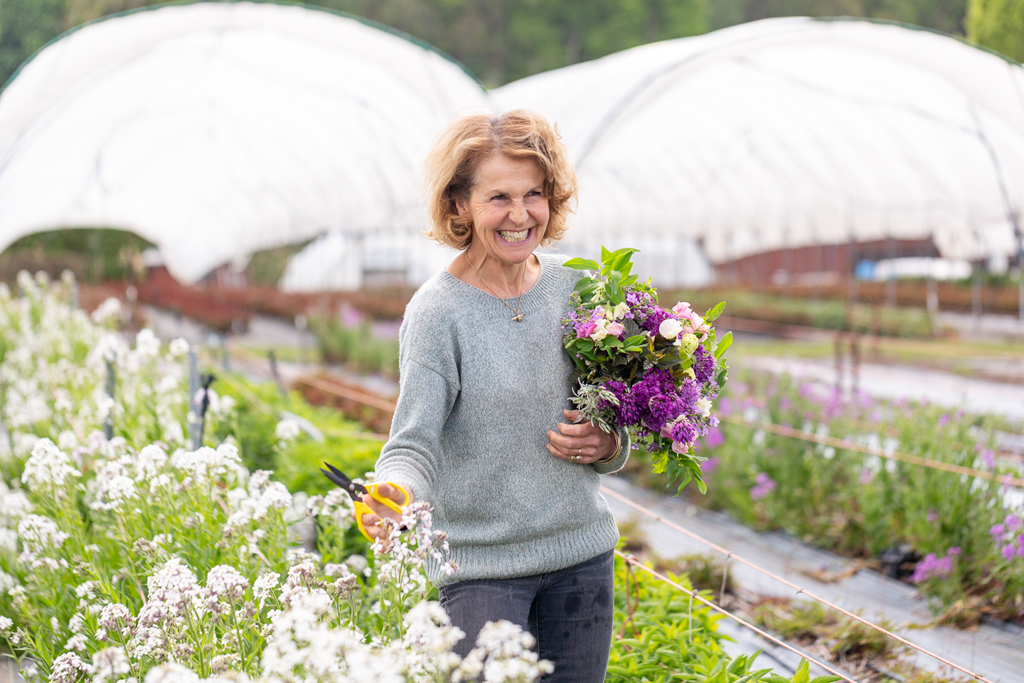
<point x="355" y="490"/>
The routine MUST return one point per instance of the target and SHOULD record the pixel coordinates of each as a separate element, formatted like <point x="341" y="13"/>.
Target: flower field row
<point x="959" y="538"/>
<point x="134" y="556"/>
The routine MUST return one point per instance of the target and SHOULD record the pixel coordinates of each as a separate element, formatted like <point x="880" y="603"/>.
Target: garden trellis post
<point x="108" y="424"/>
<point x="193" y="391"/>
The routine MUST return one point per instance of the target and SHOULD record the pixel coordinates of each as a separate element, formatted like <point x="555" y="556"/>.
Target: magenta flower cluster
<point x="933" y="566"/>
<point x="1009" y="537"/>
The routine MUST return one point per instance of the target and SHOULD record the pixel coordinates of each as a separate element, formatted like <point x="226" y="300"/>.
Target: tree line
<point x="503" y="40"/>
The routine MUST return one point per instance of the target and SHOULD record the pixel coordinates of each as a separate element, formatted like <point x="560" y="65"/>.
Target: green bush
<point x="663" y="635"/>
<point x="356" y="347"/>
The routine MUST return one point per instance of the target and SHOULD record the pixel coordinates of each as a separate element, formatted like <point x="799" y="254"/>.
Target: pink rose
<point x="586" y="330"/>
<point x="680" y="447"/>
<point x="615" y="329"/>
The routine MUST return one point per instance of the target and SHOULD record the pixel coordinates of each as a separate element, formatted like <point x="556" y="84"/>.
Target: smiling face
<point x="508" y="210"/>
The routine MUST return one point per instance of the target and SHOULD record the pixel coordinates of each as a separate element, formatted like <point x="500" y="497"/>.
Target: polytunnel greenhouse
<point x="218" y="129"/>
<point x="790" y="132"/>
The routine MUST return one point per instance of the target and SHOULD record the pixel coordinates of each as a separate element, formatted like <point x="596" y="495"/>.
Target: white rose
<point x="619" y="312"/>
<point x="670" y="328"/>
<point x="601" y="332"/>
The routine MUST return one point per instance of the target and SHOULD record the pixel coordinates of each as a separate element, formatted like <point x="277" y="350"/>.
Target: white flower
<point x="149" y="462"/>
<point x="115" y="616"/>
<point x="113" y="487"/>
<point x="146" y="343"/>
<point x="174" y="585"/>
<point x="13" y="505"/>
<point x="703" y="406"/>
<point x="263" y="587"/>
<point x="207" y="463"/>
<point x="601" y="332"/>
<point x="5" y="624"/>
<point x="66" y="668"/>
<point x="225" y="581"/>
<point x="171" y="672"/>
<point x="39" y="534"/>
<point x="76" y="642"/>
<point x="619" y="312"/>
<point x="109" y="347"/>
<point x="287" y="430"/>
<point x="47" y="467"/>
<point x="109" y="664"/>
<point x="179" y="347"/>
<point x="108" y="310"/>
<point x="670" y="328"/>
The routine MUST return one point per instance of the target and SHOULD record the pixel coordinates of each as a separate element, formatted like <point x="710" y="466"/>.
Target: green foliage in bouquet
<point x="639" y="366"/>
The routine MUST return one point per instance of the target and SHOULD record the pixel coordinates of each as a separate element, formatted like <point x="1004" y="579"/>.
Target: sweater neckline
<point x="533" y="299"/>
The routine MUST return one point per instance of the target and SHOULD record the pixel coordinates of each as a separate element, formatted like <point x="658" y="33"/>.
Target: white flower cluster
<point x="253" y="504"/>
<point x="47" y="469"/>
<point x="412" y="549"/>
<point x="55" y="372"/>
<point x="208" y="465"/>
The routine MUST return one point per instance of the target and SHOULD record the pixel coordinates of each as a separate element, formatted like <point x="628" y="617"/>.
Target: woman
<point x="482" y="430"/>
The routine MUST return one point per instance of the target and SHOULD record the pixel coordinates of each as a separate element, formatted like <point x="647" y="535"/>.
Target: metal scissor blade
<point x="339" y="478"/>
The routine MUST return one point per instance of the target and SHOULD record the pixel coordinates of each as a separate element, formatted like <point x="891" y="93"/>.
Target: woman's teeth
<point x="513" y="236"/>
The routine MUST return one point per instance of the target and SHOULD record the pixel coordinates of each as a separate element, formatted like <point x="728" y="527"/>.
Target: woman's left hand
<point x="582" y="443"/>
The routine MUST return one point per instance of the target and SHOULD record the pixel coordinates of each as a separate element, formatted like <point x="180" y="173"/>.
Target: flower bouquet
<point x="652" y="370"/>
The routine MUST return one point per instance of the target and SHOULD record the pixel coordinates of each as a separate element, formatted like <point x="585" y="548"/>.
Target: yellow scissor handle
<point x="363" y="509"/>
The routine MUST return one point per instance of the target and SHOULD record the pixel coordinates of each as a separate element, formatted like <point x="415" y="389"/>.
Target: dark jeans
<point x="569" y="612"/>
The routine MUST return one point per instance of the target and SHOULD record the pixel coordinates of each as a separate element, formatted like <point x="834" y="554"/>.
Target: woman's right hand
<point x="371" y="521"/>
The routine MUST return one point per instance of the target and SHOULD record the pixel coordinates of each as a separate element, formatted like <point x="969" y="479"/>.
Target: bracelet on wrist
<point x="615" y="453"/>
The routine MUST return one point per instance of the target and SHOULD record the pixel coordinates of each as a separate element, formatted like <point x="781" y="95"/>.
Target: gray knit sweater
<point x="478" y="393"/>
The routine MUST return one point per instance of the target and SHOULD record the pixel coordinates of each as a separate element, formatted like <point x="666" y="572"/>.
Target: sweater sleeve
<point x="411" y="454"/>
<point x="429" y="387"/>
<point x="619" y="461"/>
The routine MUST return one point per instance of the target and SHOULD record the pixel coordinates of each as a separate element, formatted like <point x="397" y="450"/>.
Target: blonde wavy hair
<point x="450" y="170"/>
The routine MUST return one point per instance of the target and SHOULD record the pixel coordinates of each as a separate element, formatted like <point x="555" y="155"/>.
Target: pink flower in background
<point x="933" y="566"/>
<point x="944" y="419"/>
<point x="932" y="517"/>
<point x="1012" y="522"/>
<point x="866" y="476"/>
<point x="350" y="317"/>
<point x="1008" y="552"/>
<point x="714" y="438"/>
<point x="724" y="406"/>
<point x="709" y="466"/>
<point x="762" y="487"/>
<point x="998" y="532"/>
<point x="988" y="458"/>
<point x="386" y="329"/>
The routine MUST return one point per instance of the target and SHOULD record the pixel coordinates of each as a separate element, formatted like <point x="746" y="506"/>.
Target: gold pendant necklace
<point x="517" y="317"/>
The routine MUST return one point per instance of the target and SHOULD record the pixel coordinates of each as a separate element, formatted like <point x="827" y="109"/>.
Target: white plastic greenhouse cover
<point x="793" y="132"/>
<point x="218" y="129"/>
